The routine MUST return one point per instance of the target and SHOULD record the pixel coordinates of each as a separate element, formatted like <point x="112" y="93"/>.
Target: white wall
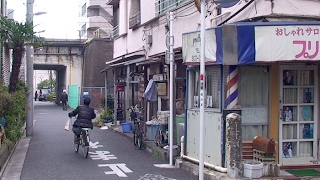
<point x="212" y="136"/>
<point x="185" y="21"/>
<point x="73" y="64"/>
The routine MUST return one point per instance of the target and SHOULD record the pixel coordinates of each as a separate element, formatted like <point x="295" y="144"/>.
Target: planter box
<point x="252" y="169"/>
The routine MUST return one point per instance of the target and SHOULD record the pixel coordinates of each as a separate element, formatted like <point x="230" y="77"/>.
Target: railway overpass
<point x="66" y="57"/>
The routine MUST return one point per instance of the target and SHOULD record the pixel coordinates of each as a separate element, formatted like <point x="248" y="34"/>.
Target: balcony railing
<point x="103" y="33"/>
<point x="163" y="6"/>
<point x="134" y="21"/>
<point x="115" y="32"/>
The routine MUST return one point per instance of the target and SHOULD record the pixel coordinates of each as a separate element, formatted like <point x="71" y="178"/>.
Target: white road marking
<point x="95" y="145"/>
<point x="118" y="169"/>
<point x="102" y="155"/>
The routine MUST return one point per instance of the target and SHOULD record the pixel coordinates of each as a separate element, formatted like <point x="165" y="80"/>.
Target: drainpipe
<point x="207" y="165"/>
<point x="185" y="113"/>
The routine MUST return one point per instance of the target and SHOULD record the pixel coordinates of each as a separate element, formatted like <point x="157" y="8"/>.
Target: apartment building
<point x="5" y="57"/>
<point x="141" y="52"/>
<point x="95" y="19"/>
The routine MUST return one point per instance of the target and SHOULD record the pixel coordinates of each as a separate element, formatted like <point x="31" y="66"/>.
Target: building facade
<point x="250" y="50"/>
<point x="5" y="53"/>
<point x="265" y="66"/>
<point x="95" y="19"/>
<point x="140" y="46"/>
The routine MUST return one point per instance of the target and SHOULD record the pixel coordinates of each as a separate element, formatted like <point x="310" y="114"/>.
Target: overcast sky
<point x="60" y="22"/>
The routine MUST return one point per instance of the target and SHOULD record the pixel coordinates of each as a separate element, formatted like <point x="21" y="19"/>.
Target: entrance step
<point x="247" y="150"/>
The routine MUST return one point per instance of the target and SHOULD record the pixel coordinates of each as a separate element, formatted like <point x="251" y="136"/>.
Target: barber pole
<point x="232" y="82"/>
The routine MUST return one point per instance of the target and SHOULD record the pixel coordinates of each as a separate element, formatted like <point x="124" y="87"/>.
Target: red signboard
<point x="119" y="88"/>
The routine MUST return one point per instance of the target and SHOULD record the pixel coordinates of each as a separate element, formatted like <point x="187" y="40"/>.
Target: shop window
<point x="213" y="87"/>
<point x="253" y="86"/>
<point x="163" y="6"/>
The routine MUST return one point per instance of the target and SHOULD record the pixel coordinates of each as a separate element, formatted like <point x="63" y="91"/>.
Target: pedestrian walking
<point x="64" y="99"/>
<point x="36" y="95"/>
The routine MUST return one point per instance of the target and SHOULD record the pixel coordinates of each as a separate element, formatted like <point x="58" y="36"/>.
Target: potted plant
<point x="106" y="115"/>
<point x="98" y="122"/>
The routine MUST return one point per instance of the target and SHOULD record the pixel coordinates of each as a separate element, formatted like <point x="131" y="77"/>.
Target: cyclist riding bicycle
<point x="84" y="119"/>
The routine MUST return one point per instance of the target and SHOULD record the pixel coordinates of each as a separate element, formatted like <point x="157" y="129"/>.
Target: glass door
<point x="298" y="111"/>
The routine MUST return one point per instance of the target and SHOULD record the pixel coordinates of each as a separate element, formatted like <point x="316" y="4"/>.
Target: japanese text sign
<point x="275" y="43"/>
<point x="192" y="44"/>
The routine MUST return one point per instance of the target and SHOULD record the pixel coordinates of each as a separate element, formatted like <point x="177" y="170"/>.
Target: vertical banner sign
<point x="202" y="90"/>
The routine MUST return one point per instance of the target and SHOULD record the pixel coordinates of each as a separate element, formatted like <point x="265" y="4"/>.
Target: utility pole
<point x="202" y="90"/>
<point x="172" y="105"/>
<point x="29" y="59"/>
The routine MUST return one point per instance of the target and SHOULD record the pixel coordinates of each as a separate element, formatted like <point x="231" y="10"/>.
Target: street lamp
<point x="29" y="59"/>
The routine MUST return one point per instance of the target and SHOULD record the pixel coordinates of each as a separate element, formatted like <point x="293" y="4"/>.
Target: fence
<point x="96" y="94"/>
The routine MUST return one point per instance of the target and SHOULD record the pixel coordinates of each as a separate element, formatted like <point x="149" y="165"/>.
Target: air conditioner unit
<point x="149" y="39"/>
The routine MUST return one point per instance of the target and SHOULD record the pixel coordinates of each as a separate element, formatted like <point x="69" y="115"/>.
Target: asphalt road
<point x="112" y="156"/>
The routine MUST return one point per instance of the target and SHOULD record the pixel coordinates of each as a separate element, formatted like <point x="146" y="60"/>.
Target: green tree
<point x="48" y="83"/>
<point x="16" y="35"/>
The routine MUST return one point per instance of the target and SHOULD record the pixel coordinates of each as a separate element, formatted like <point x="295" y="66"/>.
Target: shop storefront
<point x="269" y="71"/>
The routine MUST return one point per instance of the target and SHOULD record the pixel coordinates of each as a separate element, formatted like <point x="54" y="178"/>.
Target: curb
<point x="178" y="162"/>
<point x="149" y="145"/>
<point x="23" y="131"/>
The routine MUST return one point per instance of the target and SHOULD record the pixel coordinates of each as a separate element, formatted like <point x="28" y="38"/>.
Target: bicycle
<point x="136" y="116"/>
<point x="138" y="133"/>
<point x="158" y="139"/>
<point x="82" y="142"/>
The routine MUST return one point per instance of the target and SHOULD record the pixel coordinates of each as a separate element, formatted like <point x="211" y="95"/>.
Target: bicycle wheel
<point x="85" y="148"/>
<point x="76" y="145"/>
<point x="139" y="141"/>
<point x="85" y="151"/>
<point x="134" y="139"/>
<point x="158" y="139"/>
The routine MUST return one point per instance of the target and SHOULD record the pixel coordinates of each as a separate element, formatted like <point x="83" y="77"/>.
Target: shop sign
<point x="159" y="77"/>
<point x="191" y="43"/>
<point x="119" y="88"/>
<point x="275" y="43"/>
<point x="162" y="89"/>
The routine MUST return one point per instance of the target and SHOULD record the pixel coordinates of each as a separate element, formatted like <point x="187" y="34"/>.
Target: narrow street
<point x="51" y="155"/>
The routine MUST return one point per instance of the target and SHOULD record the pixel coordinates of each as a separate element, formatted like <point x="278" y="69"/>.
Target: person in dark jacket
<point x="36" y="95"/>
<point x="84" y="114"/>
<point x="64" y="99"/>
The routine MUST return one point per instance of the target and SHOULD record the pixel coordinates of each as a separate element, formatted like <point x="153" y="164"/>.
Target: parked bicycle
<point x="158" y="139"/>
<point x="161" y="137"/>
<point x="138" y="125"/>
<point x="84" y="137"/>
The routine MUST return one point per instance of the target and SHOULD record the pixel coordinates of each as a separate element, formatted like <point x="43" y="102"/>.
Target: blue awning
<point x="255" y="42"/>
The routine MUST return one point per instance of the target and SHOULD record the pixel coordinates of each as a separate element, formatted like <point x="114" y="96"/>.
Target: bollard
<point x="234" y="145"/>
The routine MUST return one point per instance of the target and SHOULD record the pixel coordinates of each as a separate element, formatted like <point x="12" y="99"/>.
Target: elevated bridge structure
<point x="66" y="58"/>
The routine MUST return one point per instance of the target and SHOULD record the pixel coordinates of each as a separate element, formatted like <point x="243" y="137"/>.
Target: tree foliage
<point x="47" y="83"/>
<point x="16" y="35"/>
<point x="13" y="107"/>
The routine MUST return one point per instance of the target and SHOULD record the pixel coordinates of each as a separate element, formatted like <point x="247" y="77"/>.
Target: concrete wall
<point x="156" y="28"/>
<point x="65" y="59"/>
<point x="96" y="54"/>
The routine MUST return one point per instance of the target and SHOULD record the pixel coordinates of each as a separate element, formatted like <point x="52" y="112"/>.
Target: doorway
<point x="298" y="115"/>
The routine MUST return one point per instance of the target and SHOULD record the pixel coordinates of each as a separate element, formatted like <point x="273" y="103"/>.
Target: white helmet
<point x="64" y="91"/>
